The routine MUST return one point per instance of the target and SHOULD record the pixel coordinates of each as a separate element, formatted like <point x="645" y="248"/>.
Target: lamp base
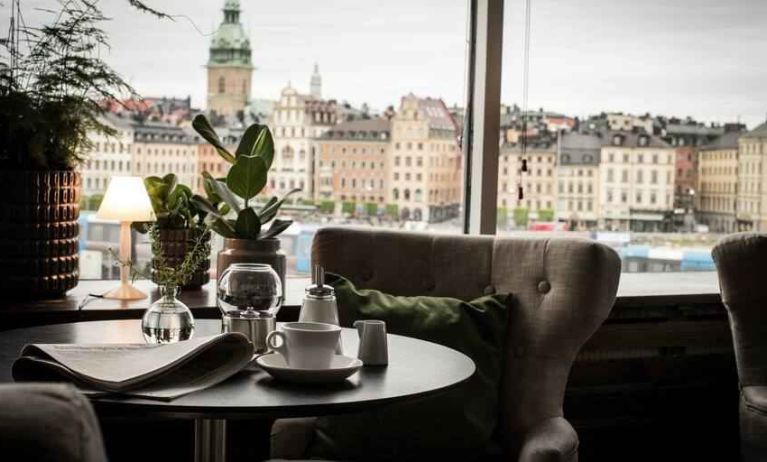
<point x="125" y="292"/>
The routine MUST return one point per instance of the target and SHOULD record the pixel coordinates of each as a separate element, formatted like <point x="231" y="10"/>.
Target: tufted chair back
<point x="563" y="289"/>
<point x="740" y="263"/>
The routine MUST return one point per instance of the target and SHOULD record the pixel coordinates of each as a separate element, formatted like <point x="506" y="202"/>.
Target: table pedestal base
<point x="209" y="440"/>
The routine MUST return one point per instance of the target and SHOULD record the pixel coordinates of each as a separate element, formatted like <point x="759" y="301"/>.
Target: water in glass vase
<point x="167" y="320"/>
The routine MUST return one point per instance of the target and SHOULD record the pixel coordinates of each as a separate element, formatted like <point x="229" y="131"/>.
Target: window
<point x="221" y="84"/>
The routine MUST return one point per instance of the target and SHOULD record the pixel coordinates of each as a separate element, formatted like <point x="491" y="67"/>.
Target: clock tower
<point x="229" y="66"/>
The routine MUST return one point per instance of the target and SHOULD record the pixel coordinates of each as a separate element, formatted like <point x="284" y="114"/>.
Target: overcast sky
<point x="703" y="58"/>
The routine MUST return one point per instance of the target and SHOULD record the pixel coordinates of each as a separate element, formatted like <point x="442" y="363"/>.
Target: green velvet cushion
<point x="455" y="425"/>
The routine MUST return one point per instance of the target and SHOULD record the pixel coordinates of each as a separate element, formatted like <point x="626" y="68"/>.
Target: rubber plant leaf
<point x="203" y="127"/>
<point x="267" y="213"/>
<point x="257" y="141"/>
<point x="247" y="225"/>
<point x="222" y="191"/>
<point x="247" y="177"/>
<point x="276" y="228"/>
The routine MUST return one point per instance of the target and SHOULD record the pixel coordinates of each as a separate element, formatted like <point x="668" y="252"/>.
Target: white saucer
<point x="341" y="367"/>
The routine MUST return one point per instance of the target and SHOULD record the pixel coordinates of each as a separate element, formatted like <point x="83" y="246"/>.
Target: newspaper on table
<point x="160" y="372"/>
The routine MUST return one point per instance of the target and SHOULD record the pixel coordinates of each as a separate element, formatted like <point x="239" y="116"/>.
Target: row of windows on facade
<point x="355" y="198"/>
<point x="353" y="164"/>
<point x="611" y="198"/>
<point x="721" y="204"/>
<point x="320" y="117"/>
<point x="434" y="147"/>
<point x="108" y="165"/>
<point x="537" y="172"/>
<point x="640" y="158"/>
<point x="162" y="168"/>
<point x="111" y="147"/>
<point x="717" y="155"/>
<point x="529" y="203"/>
<point x="639" y="176"/>
<point x="433" y="161"/>
<point x="291" y="184"/>
<point x="748" y="206"/>
<point x="719" y="170"/>
<point x="295" y="132"/>
<point x="717" y="187"/>
<point x="163" y="151"/>
<point x="358" y="135"/>
<point x="753" y="148"/>
<point x="353" y="182"/>
<point x="363" y="150"/>
<point x="417" y="196"/>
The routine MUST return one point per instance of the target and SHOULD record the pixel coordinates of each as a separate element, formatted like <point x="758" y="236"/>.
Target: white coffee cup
<point x="305" y="345"/>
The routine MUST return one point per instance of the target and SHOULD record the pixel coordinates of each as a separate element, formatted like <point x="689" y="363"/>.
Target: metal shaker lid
<point x="318" y="287"/>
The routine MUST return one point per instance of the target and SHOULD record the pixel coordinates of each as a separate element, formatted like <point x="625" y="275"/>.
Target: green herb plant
<point x="235" y="195"/>
<point x="172" y="204"/>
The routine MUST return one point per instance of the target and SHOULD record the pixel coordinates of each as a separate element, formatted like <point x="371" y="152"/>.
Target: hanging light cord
<point x="525" y="88"/>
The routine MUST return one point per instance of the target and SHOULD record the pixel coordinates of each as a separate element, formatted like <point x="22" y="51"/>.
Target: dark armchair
<point x="48" y="422"/>
<point x="563" y="290"/>
<point x="741" y="261"/>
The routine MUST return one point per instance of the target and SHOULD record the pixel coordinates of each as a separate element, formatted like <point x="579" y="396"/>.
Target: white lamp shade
<point x="126" y="199"/>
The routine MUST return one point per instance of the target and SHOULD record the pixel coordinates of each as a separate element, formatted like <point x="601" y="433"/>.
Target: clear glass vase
<point x="167" y="320"/>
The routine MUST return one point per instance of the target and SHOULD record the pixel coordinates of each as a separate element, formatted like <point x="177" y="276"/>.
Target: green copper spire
<point x="230" y="44"/>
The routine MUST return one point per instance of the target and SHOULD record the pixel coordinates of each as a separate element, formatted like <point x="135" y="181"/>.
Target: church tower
<point x="229" y="67"/>
<point x="315" y="87"/>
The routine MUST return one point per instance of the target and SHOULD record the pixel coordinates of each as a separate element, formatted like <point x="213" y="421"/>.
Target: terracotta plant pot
<point x="266" y="251"/>
<point x="175" y="244"/>
<point x="39" y="252"/>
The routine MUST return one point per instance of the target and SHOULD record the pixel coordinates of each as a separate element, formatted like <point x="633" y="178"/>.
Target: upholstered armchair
<point x="48" y="422"/>
<point x="741" y="261"/>
<point x="563" y="289"/>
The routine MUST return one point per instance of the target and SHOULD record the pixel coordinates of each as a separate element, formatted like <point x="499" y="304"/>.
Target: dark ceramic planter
<point x="266" y="251"/>
<point x="175" y="245"/>
<point x="39" y="252"/>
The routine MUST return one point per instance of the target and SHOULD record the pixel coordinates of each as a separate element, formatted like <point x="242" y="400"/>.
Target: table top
<point x="416" y="368"/>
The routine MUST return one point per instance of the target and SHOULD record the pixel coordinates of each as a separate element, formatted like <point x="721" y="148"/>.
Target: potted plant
<point x="51" y="89"/>
<point x="231" y="205"/>
<point x="180" y="225"/>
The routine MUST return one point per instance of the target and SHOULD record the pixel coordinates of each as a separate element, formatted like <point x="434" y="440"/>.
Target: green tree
<point x="520" y="216"/>
<point x="392" y="210"/>
<point x="348" y="207"/>
<point x="94" y="201"/>
<point x="502" y="217"/>
<point x="371" y="209"/>
<point x="327" y="207"/>
<point x="546" y="215"/>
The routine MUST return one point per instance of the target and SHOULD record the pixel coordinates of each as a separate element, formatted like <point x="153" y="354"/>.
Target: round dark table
<point x="416" y="368"/>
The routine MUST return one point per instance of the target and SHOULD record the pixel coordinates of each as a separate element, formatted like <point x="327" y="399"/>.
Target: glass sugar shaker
<point x="319" y="303"/>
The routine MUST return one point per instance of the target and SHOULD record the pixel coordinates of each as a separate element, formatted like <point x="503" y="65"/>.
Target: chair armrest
<point x="753" y="423"/>
<point x="47" y="422"/>
<point x="290" y="438"/>
<point x="552" y="440"/>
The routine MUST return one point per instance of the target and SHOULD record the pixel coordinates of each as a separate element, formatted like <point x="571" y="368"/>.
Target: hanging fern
<point x="53" y="86"/>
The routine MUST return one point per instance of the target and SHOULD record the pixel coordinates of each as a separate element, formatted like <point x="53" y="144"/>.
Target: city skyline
<point x="667" y="59"/>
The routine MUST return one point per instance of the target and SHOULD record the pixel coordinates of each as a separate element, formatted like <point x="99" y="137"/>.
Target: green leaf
<point x="221" y="191"/>
<point x="221" y="227"/>
<point x="277" y="227"/>
<point x="203" y="127"/>
<point x="205" y="205"/>
<point x="268" y="204"/>
<point x="267" y="213"/>
<point x="170" y="181"/>
<point x="257" y="141"/>
<point x="248" y="225"/>
<point x="247" y="177"/>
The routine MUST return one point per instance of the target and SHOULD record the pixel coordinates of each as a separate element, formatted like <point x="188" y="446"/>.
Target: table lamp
<point x="126" y="200"/>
